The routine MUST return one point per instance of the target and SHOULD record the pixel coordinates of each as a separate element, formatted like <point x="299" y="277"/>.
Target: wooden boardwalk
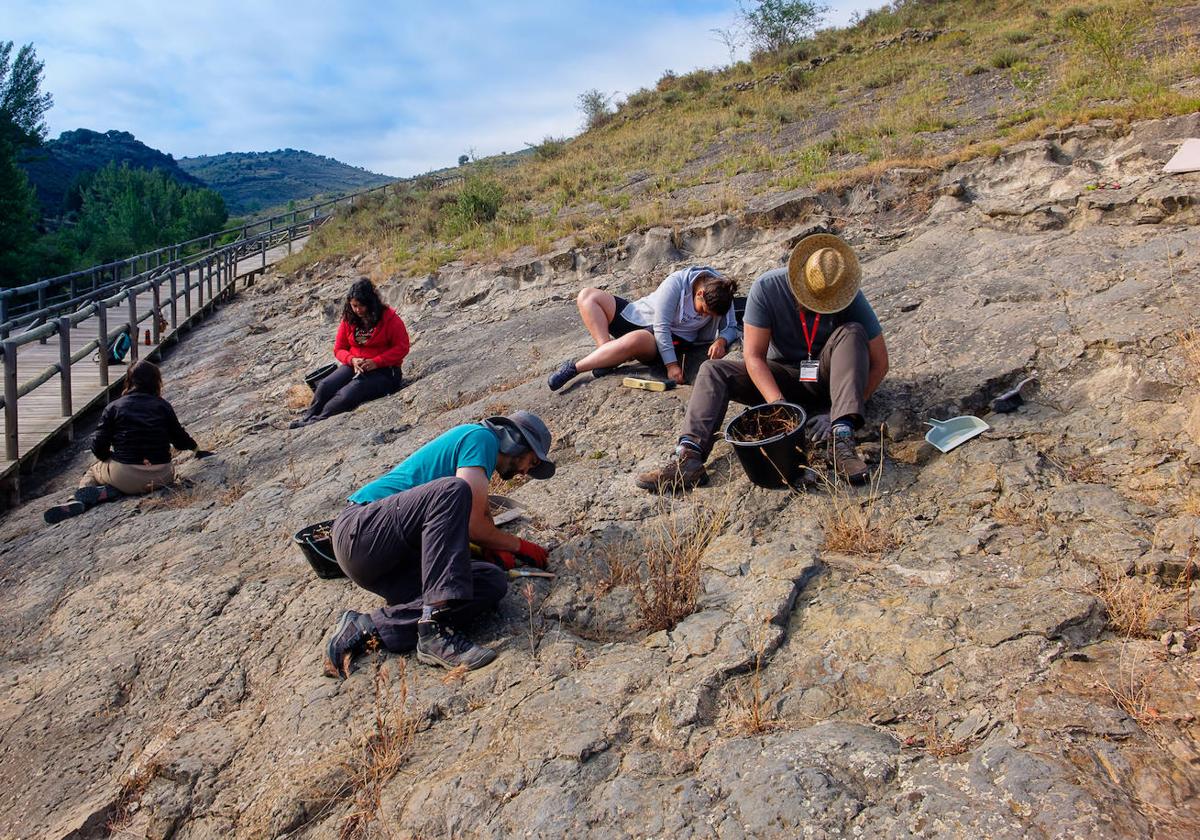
<point x="41" y="417"/>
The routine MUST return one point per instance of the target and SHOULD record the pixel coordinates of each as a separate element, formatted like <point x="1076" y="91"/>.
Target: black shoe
<point x="94" y="495"/>
<point x="565" y="373"/>
<point x="599" y="372"/>
<point x="299" y="423"/>
<point x="350" y="638"/>
<point x="58" y="513"/>
<point x="440" y="644"/>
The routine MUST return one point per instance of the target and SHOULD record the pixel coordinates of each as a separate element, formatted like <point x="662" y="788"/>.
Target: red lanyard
<point x="809" y="337"/>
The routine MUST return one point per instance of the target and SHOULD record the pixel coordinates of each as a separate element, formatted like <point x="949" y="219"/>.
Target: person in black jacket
<point x="132" y="445"/>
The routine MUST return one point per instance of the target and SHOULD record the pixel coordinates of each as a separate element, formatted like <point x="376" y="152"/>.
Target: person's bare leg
<point x="638" y="344"/>
<point x="597" y="309"/>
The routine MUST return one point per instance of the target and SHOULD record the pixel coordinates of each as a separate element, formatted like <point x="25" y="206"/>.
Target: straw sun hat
<point x="824" y="273"/>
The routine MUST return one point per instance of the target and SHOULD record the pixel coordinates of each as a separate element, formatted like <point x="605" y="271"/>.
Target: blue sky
<point x="399" y="88"/>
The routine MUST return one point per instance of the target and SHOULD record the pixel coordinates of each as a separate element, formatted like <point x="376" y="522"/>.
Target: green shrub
<point x="641" y="98"/>
<point x="1017" y="36"/>
<point x="794" y="78"/>
<point x="549" y="148"/>
<point x="666" y="81"/>
<point x="797" y="53"/>
<point x="1004" y="58"/>
<point x="1073" y="15"/>
<point x="672" y="96"/>
<point x="1107" y="38"/>
<point x="697" y="81"/>
<point x="477" y="202"/>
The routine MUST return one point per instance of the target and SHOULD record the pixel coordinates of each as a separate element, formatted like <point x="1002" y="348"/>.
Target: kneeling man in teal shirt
<point x="412" y="550"/>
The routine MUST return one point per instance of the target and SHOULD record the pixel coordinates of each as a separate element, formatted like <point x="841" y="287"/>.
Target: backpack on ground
<point x="117" y="350"/>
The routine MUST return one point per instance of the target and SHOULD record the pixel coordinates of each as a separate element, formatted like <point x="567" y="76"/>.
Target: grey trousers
<point x="841" y="382"/>
<point x="411" y="548"/>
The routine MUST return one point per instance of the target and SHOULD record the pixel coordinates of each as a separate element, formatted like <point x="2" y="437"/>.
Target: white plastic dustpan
<point x="947" y="434"/>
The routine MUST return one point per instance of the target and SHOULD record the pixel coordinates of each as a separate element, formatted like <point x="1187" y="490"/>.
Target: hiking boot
<point x="349" y="639"/>
<point x="565" y="373"/>
<point x="58" y="513"/>
<point x="299" y="423"/>
<point x="682" y="472"/>
<point x="441" y="644"/>
<point x="844" y="457"/>
<point x="603" y="371"/>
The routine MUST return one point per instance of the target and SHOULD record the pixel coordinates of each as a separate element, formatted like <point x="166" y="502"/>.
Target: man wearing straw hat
<point x="810" y="338"/>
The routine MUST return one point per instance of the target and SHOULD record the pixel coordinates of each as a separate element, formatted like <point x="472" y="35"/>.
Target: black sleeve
<point x="102" y="441"/>
<point x="179" y="438"/>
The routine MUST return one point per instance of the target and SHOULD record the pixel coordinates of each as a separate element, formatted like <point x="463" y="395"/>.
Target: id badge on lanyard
<point x="810" y="367"/>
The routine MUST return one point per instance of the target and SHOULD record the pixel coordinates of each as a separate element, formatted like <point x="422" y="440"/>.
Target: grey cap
<point x="535" y="433"/>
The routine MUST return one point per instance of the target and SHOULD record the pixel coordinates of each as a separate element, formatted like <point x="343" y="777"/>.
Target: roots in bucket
<point x="762" y="424"/>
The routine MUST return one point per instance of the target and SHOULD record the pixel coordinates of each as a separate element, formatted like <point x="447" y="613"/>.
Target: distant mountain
<point x="54" y="167"/>
<point x="252" y="181"/>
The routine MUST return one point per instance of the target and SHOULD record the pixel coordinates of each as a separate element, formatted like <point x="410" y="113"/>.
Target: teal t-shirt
<point x="470" y="445"/>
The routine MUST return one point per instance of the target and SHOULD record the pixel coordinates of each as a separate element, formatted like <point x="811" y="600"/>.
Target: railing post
<point x="174" y="305"/>
<point x="133" y="327"/>
<point x="4" y="313"/>
<point x="263" y="248"/>
<point x="210" y="262"/>
<point x="155" y="330"/>
<point x="102" y="321"/>
<point x="11" y="452"/>
<point x="187" y="292"/>
<point x="64" y="364"/>
<point x="41" y="297"/>
<point x="200" y="286"/>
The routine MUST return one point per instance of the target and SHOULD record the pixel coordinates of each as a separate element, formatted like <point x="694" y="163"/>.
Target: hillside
<point x="55" y="166"/>
<point x="252" y="181"/>
<point x="924" y="83"/>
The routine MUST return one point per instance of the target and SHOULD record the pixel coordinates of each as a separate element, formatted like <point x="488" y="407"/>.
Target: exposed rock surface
<point x="162" y="668"/>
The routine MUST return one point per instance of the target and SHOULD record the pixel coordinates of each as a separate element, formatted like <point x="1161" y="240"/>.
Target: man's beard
<point x="507" y="472"/>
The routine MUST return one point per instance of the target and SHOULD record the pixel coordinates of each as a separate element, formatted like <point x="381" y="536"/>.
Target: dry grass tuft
<point x="940" y="745"/>
<point x="503" y="486"/>
<point x="661" y="564"/>
<point x="1135" y="605"/>
<point x="669" y="588"/>
<point x="132" y="788"/>
<point x="298" y="397"/>
<point x="745" y="711"/>
<point x="858" y="523"/>
<point x="380" y="752"/>
<point x="231" y="493"/>
<point x="170" y="498"/>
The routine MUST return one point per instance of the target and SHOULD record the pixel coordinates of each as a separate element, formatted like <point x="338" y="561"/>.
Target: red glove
<point x="503" y="559"/>
<point x="534" y="553"/>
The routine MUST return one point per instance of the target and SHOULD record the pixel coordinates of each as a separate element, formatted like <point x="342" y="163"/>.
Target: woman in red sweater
<point x="371" y="343"/>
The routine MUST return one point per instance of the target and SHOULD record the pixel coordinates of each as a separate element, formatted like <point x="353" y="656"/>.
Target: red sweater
<point x="388" y="344"/>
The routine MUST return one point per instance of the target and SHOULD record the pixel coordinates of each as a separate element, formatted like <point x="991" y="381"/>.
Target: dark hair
<point x="717" y="293"/>
<point x="364" y="292"/>
<point x="144" y="378"/>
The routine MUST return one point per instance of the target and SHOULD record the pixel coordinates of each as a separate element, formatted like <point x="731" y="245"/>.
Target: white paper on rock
<point x="1187" y="159"/>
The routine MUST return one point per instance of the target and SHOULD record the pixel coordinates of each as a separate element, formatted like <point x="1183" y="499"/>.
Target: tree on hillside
<point x="22" y="104"/>
<point x="18" y="218"/>
<point x="774" y="24"/>
<point x="596" y="108"/>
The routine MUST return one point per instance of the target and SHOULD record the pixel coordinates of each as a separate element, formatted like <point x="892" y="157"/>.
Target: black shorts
<point x="620" y="326"/>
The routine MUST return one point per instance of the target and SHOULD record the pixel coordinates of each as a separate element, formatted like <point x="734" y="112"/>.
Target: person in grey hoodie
<point x="692" y="306"/>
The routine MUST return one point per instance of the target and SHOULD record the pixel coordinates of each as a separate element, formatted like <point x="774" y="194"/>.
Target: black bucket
<point x="318" y="551"/>
<point x="774" y="462"/>
<point x="313" y="379"/>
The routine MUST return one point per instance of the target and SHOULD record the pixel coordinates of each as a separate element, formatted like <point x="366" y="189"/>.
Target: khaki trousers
<point x="131" y="479"/>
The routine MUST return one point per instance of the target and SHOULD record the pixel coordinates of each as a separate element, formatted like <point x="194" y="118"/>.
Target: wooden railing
<point x="180" y="291"/>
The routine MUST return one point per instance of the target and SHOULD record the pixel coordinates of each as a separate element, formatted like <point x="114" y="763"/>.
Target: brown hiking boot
<point x="845" y="458"/>
<point x="683" y="472"/>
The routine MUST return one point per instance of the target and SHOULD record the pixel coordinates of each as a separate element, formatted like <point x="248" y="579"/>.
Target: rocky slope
<point x="953" y="672"/>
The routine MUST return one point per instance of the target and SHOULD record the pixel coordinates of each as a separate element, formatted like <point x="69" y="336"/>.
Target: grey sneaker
<point x="845" y="458"/>
<point x="440" y="644"/>
<point x="683" y="472"/>
<point x="354" y="631"/>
